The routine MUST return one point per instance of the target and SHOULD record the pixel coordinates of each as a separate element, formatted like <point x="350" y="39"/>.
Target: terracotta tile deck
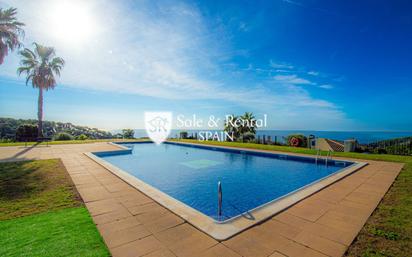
<point x="134" y="225"/>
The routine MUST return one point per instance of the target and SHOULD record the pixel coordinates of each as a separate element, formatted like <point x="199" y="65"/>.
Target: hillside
<point x="8" y="127"/>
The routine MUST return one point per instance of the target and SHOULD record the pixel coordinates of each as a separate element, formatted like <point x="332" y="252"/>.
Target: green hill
<point x="8" y="127"/>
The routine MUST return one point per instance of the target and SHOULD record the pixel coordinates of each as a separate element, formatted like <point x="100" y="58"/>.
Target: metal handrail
<point x="219" y="199"/>
<point x="329" y="155"/>
<point x="318" y="153"/>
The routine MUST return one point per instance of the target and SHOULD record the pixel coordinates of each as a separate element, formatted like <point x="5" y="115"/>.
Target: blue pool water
<point x="190" y="174"/>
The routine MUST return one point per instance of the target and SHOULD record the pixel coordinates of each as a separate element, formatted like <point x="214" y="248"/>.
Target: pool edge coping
<point x="224" y="230"/>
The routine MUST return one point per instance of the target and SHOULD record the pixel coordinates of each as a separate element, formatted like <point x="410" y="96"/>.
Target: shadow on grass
<point x="35" y="186"/>
<point x="17" y="180"/>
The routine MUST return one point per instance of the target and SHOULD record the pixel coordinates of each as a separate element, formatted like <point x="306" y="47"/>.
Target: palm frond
<point x="22" y="69"/>
<point x="28" y="54"/>
<point x="44" y="52"/>
<point x="10" y="31"/>
<point x="40" y="67"/>
<point x="28" y="78"/>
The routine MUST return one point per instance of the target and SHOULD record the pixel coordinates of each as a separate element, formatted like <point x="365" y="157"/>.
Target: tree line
<point x="9" y="128"/>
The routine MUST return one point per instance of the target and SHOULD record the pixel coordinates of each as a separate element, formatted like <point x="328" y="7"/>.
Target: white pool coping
<point x="228" y="228"/>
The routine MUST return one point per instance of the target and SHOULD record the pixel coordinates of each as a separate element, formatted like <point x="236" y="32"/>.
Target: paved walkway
<point x="132" y="224"/>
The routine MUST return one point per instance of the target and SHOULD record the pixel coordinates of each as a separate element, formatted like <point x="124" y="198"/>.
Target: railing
<point x="329" y="155"/>
<point x="318" y="153"/>
<point x="397" y="146"/>
<point x="319" y="156"/>
<point x="219" y="199"/>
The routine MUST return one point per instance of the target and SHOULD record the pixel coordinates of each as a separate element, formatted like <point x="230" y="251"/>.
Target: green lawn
<point x="35" y="186"/>
<point x="388" y="232"/>
<point x="41" y="213"/>
<point x="88" y="141"/>
<point x="66" y="232"/>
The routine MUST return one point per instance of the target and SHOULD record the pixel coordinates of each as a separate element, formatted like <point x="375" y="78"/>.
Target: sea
<point x="363" y="137"/>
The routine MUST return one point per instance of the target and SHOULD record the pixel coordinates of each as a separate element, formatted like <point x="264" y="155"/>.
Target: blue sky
<point x="316" y="65"/>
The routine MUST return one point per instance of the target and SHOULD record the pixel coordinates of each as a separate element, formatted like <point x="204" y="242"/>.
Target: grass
<point x="41" y="213"/>
<point x="388" y="232"/>
<point x="35" y="186"/>
<point x="62" y="142"/>
<point x="66" y="232"/>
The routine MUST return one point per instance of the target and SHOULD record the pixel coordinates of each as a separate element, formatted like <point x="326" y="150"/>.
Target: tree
<point x="231" y="128"/>
<point x="241" y="128"/>
<point x="41" y="67"/>
<point x="26" y="132"/>
<point x="248" y="128"/>
<point x="10" y="31"/>
<point x="128" y="133"/>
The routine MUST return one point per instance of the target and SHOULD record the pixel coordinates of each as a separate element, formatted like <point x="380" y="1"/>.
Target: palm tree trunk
<point x="40" y="113"/>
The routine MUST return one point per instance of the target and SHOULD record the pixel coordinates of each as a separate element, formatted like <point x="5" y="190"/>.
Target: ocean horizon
<point x="363" y="137"/>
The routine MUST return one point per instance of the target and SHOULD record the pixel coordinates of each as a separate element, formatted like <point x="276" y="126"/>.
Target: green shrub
<point x="303" y="141"/>
<point x="128" y="133"/>
<point x="6" y="140"/>
<point x="388" y="235"/>
<point x="380" y="151"/>
<point x="81" y="137"/>
<point x="184" y="135"/>
<point x="26" y="132"/>
<point x="247" y="137"/>
<point x="62" y="136"/>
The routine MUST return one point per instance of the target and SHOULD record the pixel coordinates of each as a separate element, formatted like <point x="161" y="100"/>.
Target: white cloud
<point x="313" y="73"/>
<point x="292" y="79"/>
<point x="133" y="51"/>
<point x="277" y="65"/>
<point x="166" y="51"/>
<point x="326" y="86"/>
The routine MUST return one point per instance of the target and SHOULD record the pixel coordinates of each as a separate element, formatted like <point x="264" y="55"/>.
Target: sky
<point x="308" y="65"/>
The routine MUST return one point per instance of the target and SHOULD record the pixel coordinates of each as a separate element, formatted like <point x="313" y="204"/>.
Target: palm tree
<point x="10" y="31"/>
<point x="251" y="122"/>
<point x="248" y="130"/>
<point x="230" y="128"/>
<point x="41" y="67"/>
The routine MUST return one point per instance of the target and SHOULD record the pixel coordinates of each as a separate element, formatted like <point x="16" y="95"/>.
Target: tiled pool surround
<point x="222" y="230"/>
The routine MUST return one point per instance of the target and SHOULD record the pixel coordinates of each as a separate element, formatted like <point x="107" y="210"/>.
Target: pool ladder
<point x="319" y="155"/>
<point x="219" y="199"/>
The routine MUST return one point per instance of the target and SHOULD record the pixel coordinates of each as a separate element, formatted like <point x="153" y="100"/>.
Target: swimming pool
<point x="189" y="174"/>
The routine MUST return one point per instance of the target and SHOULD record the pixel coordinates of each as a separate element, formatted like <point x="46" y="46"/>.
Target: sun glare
<point x="72" y="22"/>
